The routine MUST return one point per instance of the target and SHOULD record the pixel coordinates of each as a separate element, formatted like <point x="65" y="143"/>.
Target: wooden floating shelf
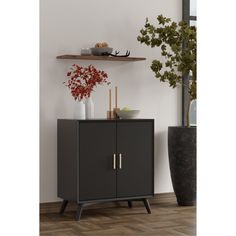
<point x="101" y="58"/>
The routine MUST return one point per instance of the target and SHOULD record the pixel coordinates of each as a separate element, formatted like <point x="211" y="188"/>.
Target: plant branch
<point x="177" y="42"/>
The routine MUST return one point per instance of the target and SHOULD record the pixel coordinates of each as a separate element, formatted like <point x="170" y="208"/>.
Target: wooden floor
<point x="113" y="219"/>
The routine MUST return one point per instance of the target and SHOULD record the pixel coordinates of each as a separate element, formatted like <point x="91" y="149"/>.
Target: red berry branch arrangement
<point x="82" y="80"/>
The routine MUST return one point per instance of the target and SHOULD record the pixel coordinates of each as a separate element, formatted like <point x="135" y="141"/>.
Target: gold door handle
<point x="114" y="161"/>
<point x="120" y="161"/>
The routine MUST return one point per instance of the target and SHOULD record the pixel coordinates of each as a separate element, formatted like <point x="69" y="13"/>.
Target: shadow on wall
<point x="162" y="171"/>
<point x="160" y="146"/>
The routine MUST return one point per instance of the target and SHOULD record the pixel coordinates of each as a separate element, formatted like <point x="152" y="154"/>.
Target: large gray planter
<point x="182" y="160"/>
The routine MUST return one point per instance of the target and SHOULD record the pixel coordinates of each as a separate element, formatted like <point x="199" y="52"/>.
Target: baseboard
<point x="54" y="207"/>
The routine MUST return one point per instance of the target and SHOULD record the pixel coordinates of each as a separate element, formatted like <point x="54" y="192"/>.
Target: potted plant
<point x="81" y="82"/>
<point x="177" y="42"/>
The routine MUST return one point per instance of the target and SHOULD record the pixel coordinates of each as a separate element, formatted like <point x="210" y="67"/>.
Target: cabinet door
<point x="97" y="143"/>
<point x="135" y="145"/>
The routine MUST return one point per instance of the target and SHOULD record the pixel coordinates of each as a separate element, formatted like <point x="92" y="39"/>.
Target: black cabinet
<point x="105" y="160"/>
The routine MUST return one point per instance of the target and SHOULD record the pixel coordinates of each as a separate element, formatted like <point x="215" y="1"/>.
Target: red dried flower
<point x="83" y="80"/>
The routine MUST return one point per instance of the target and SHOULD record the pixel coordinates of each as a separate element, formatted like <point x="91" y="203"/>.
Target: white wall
<point x="68" y="25"/>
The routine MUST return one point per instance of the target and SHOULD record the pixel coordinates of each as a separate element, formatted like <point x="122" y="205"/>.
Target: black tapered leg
<point x="79" y="211"/>
<point x="130" y="204"/>
<point x="63" y="206"/>
<point x="147" y="205"/>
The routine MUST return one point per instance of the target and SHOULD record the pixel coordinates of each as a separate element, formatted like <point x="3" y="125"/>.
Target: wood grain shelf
<point x="101" y="58"/>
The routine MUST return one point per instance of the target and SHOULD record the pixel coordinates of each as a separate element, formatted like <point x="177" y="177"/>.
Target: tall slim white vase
<point x="79" y="111"/>
<point x="89" y="107"/>
<point x="193" y="113"/>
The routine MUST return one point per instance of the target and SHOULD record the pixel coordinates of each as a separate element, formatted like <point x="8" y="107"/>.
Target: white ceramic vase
<point x="89" y="107"/>
<point x="193" y="113"/>
<point x="79" y="112"/>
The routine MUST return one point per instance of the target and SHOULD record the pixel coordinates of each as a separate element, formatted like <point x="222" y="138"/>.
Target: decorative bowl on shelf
<point x="100" y="51"/>
<point x="127" y="114"/>
<point x="85" y="52"/>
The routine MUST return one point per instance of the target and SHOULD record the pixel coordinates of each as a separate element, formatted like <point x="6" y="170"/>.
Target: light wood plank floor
<point x="115" y="219"/>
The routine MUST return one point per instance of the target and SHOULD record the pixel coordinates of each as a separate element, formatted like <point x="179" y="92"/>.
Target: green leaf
<point x="178" y="44"/>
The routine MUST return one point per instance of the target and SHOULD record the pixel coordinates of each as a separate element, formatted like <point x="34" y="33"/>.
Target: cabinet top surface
<point x="109" y="120"/>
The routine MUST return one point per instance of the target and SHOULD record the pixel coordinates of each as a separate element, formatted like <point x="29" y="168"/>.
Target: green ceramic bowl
<point x="127" y="114"/>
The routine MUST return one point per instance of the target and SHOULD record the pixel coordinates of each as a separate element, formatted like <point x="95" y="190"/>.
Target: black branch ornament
<point x="116" y="54"/>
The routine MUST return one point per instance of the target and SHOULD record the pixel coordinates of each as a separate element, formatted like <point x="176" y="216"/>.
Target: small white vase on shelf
<point x="79" y="112"/>
<point x="89" y="107"/>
